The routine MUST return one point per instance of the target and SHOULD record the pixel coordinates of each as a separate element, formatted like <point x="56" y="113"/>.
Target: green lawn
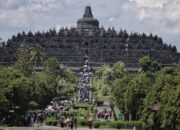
<point x="104" y="97"/>
<point x="2" y="127"/>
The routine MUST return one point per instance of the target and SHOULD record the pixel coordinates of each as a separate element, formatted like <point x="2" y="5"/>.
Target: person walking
<point x="75" y="122"/>
<point x="71" y="123"/>
<point x="90" y="121"/>
<point x="67" y="123"/>
<point x="61" y="122"/>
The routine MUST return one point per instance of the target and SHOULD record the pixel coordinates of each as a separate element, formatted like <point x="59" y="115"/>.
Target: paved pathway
<point x="48" y="128"/>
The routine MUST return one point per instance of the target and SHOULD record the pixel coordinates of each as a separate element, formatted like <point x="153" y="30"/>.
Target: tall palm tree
<point x="36" y="54"/>
<point x="105" y="73"/>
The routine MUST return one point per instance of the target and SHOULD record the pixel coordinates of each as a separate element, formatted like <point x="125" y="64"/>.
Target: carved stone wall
<point x="70" y="45"/>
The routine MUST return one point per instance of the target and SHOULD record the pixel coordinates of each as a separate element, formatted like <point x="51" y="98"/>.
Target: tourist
<point x="75" y="122"/>
<point x="90" y="121"/>
<point x="106" y="116"/>
<point x="67" y="122"/>
<point x="61" y="121"/>
<point x="71" y="123"/>
<point x="110" y="115"/>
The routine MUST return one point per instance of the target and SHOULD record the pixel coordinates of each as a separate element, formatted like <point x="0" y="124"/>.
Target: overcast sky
<point x="161" y="17"/>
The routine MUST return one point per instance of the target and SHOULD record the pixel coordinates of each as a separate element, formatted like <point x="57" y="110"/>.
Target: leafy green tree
<point x="1" y="49"/>
<point x="3" y="102"/>
<point x="67" y="81"/>
<point x="129" y="93"/>
<point x="65" y="78"/>
<point x="22" y="90"/>
<point x="105" y="75"/>
<point x="148" y="64"/>
<point x="119" y="89"/>
<point x="36" y="54"/>
<point x="45" y="88"/>
<point x="165" y="92"/>
<point x="23" y="63"/>
<point x="51" y="66"/>
<point x="15" y="91"/>
<point x="21" y="93"/>
<point x="118" y="69"/>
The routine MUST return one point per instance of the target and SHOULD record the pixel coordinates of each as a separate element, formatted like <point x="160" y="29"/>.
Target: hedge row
<point x="126" y="124"/>
<point x="51" y="121"/>
<point x="105" y="124"/>
<point x="113" y="124"/>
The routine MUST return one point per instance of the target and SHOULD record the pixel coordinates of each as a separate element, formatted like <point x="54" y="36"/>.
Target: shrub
<point x="82" y="105"/>
<point x="48" y="121"/>
<point x="83" y="113"/>
<point x="82" y="122"/>
<point x="105" y="91"/>
<point x="118" y="125"/>
<point x="106" y="124"/>
<point x="51" y="121"/>
<point x="54" y="122"/>
<point x="126" y="124"/>
<point x="112" y="124"/>
<point x="97" y="124"/>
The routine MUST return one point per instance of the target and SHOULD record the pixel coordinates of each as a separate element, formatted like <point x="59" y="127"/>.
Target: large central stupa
<point x="88" y="22"/>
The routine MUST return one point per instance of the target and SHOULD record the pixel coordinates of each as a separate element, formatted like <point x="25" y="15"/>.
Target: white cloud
<point x="150" y="3"/>
<point x="11" y="18"/>
<point x="12" y="4"/>
<point x="111" y="19"/>
<point x="43" y="5"/>
<point x="143" y="14"/>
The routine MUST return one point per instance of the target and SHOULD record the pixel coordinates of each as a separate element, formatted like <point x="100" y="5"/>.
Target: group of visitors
<point x="33" y="117"/>
<point x="104" y="114"/>
<point x="69" y="122"/>
<point x="58" y="106"/>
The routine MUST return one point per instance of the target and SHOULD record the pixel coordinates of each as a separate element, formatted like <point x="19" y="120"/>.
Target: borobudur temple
<point x="69" y="45"/>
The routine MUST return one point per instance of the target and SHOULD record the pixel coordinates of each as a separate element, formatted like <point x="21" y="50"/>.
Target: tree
<point x="119" y="89"/>
<point x="65" y="78"/>
<point x="118" y="69"/>
<point x="16" y="91"/>
<point x="36" y="54"/>
<point x="148" y="64"/>
<point x="67" y="81"/>
<point x="51" y="66"/>
<point x="102" y="79"/>
<point x="21" y="89"/>
<point x="23" y="63"/>
<point x="105" y="75"/>
<point x="165" y="92"/>
<point x="129" y="93"/>
<point x="1" y="49"/>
